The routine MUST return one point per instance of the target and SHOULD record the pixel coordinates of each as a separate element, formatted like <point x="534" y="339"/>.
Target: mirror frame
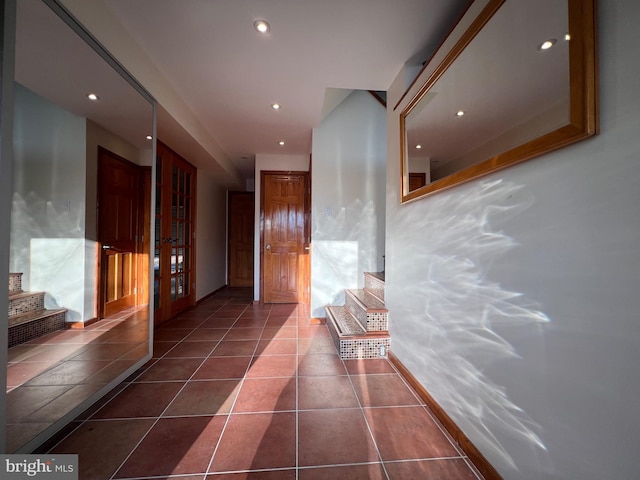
<point x="583" y="86"/>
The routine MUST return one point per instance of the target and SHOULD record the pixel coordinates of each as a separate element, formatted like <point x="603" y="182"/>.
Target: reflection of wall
<point x="54" y="223"/>
<point x="550" y="120"/>
<point x="49" y="192"/>
<point x="348" y="197"/>
<point x="514" y="298"/>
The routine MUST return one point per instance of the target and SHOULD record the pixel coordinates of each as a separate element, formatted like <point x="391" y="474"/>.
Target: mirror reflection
<point x="493" y="97"/>
<point x="80" y="227"/>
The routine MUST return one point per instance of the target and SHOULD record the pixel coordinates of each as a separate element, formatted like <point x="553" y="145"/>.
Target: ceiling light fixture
<point x="281" y="142"/>
<point x="93" y="97"/>
<point x="262" y="26"/>
<point x="418" y="147"/>
<point x="275" y="106"/>
<point x="149" y="137"/>
<point x="459" y="113"/>
<point x="547" y="44"/>
<point x="567" y="37"/>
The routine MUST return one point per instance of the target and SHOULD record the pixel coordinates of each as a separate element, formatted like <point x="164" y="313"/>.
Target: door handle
<point x="268" y="246"/>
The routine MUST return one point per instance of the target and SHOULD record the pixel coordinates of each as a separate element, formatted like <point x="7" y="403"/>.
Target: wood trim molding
<point x="85" y="324"/>
<point x="474" y="455"/>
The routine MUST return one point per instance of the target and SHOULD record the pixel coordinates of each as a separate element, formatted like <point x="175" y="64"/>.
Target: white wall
<point x="514" y="298"/>
<point x="48" y="208"/>
<point x="270" y="162"/>
<point x="348" y="199"/>
<point x="211" y="236"/>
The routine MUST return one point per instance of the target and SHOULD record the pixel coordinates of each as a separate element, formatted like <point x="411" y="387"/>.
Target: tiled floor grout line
<point x="384" y="468"/>
<point x="143" y="437"/>
<point x="233" y="404"/>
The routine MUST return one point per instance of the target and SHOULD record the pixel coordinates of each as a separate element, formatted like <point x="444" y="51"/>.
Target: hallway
<point x="238" y="390"/>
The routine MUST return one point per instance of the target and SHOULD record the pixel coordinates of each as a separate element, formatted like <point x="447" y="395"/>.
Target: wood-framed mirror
<point x="513" y="80"/>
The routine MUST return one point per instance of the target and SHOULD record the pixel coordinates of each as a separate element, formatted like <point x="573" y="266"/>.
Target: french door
<point x="174" y="252"/>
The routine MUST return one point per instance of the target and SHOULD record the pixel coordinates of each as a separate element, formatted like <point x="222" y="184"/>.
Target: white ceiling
<point x="229" y="75"/>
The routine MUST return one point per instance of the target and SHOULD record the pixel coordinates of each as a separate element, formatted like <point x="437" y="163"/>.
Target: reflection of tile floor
<point x="237" y="390"/>
<point x="50" y="375"/>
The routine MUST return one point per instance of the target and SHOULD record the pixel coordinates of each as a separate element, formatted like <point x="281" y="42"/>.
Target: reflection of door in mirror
<point x="123" y="204"/>
<point x="174" y="272"/>
<point x="417" y="180"/>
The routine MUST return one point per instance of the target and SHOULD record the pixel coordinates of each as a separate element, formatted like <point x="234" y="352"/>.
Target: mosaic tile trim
<point x="15" y="283"/>
<point x="374" y="284"/>
<point x="371" y="321"/>
<point x="365" y="348"/>
<point x="24" y="332"/>
<point x="25" y="302"/>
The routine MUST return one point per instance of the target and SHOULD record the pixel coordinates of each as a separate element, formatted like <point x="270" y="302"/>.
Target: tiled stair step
<point x="34" y="324"/>
<point x="351" y="340"/>
<point x="15" y="283"/>
<point x="24" y="302"/>
<point x="374" y="284"/>
<point x="367" y="309"/>
<point x="343" y="322"/>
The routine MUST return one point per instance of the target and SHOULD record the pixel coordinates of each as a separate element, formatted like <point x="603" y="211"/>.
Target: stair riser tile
<point x="364" y="348"/>
<point x="375" y="286"/>
<point x="37" y="328"/>
<point x="15" y="283"/>
<point x="26" y="304"/>
<point x="371" y="322"/>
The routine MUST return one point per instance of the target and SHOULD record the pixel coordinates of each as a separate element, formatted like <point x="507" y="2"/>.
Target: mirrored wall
<point x="79" y="259"/>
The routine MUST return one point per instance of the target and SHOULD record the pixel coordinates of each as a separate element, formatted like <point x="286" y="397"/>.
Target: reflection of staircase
<point x="360" y="327"/>
<point x="28" y="319"/>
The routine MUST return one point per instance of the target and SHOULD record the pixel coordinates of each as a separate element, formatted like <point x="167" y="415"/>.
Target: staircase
<point x="360" y="327"/>
<point x="28" y="319"/>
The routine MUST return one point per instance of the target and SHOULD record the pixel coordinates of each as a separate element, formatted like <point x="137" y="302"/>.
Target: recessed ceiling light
<point x="281" y="142"/>
<point x="149" y="137"/>
<point x="459" y="113"/>
<point x="275" y="106"/>
<point x="567" y="37"/>
<point x="418" y="146"/>
<point x="93" y="97"/>
<point x="262" y="26"/>
<point x="547" y="44"/>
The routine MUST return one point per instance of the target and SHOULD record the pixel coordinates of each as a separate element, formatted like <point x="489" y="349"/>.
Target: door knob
<point x="268" y="246"/>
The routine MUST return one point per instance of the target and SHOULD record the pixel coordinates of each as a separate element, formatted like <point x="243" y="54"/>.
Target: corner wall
<point x="514" y="298"/>
<point x="348" y="199"/>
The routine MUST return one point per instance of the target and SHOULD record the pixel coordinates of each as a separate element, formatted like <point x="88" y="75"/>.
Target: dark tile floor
<point x="49" y="376"/>
<point x="238" y="390"/>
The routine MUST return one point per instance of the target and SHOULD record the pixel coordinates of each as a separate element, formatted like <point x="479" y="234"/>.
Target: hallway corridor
<point x="238" y="390"/>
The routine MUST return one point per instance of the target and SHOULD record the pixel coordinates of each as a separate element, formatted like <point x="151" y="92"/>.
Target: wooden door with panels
<point x="285" y="237"/>
<point x="123" y="206"/>
<point x="174" y="249"/>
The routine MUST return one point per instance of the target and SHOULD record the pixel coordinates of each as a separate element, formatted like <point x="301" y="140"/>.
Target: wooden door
<point x="174" y="249"/>
<point x="241" y="233"/>
<point x="120" y="231"/>
<point x="285" y="237"/>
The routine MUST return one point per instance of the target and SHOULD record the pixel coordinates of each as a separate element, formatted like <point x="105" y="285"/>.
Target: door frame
<point x="305" y="294"/>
